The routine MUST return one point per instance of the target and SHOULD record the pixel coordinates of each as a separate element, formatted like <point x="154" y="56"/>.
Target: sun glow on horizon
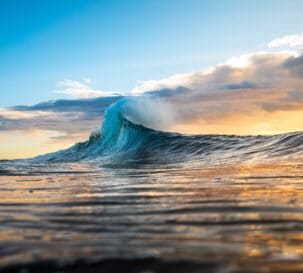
<point x="18" y="145"/>
<point x="15" y="145"/>
<point x="262" y="123"/>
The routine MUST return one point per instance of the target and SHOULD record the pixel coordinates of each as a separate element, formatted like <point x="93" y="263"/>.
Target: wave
<point x="126" y="137"/>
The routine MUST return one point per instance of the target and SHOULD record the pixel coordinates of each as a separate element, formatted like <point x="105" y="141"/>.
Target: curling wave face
<point x="126" y="137"/>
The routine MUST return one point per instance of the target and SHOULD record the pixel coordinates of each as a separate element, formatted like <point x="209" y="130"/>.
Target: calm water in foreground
<point x="175" y="218"/>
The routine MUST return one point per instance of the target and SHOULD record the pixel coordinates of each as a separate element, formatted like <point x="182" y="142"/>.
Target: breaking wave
<point x="132" y="131"/>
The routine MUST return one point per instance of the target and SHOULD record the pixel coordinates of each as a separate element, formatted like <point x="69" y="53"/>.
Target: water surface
<point x="135" y="199"/>
<point x="220" y="218"/>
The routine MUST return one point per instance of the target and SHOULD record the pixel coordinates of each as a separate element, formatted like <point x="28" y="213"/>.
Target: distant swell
<point x="121" y="140"/>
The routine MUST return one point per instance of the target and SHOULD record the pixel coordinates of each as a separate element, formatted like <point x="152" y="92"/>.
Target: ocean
<point x="136" y="199"/>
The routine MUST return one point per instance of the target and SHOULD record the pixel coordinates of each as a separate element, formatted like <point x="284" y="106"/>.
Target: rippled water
<point x="174" y="218"/>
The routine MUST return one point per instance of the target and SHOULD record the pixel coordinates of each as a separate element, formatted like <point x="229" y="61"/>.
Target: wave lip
<point x="125" y="137"/>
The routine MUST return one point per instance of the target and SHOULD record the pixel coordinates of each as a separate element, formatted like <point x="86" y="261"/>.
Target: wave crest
<point x="126" y="136"/>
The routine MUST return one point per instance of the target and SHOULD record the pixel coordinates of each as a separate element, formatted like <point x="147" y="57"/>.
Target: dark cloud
<point x="70" y="117"/>
<point x="96" y="105"/>
<point x="70" y="124"/>
<point x="168" y="92"/>
<point x="240" y="85"/>
<point x="292" y="100"/>
<point x="295" y="64"/>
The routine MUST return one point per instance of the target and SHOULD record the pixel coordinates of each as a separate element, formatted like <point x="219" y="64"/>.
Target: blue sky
<point x="221" y="67"/>
<point x="117" y="43"/>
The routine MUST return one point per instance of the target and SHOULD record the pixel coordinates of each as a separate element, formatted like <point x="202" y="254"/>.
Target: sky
<point x="228" y="67"/>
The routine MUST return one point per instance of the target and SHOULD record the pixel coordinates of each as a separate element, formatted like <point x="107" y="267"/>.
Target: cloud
<point x="258" y="85"/>
<point x="235" y="70"/>
<point x="289" y="40"/>
<point x="16" y="115"/>
<point x="172" y="82"/>
<point x="78" y="89"/>
<point x="295" y="65"/>
<point x="243" y="85"/>
<point x="68" y="117"/>
<point x="249" y="84"/>
<point x="61" y="123"/>
<point x="96" y="105"/>
<point x="257" y="93"/>
<point x="87" y="80"/>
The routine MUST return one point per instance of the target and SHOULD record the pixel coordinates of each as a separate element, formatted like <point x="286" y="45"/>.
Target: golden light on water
<point x="244" y="214"/>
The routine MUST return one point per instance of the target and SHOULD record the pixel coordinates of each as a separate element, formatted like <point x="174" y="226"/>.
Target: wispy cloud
<point x="289" y="41"/>
<point x="16" y="115"/>
<point x="172" y="82"/>
<point x="79" y="89"/>
<point x="87" y="80"/>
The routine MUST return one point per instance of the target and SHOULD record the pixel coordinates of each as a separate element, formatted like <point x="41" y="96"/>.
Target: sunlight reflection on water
<point x="239" y="217"/>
